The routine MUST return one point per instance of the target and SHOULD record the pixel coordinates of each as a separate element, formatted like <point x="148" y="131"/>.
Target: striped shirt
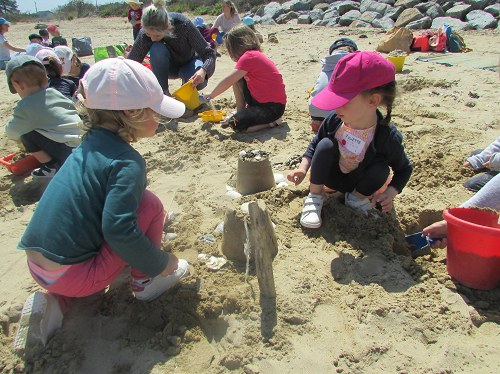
<point x="184" y="45"/>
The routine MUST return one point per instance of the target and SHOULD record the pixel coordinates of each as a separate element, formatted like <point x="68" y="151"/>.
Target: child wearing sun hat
<point x="5" y="46"/>
<point x="134" y="16"/>
<point x="97" y="217"/>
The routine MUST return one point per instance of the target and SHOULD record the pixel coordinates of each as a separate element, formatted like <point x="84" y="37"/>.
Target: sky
<point x="28" y="6"/>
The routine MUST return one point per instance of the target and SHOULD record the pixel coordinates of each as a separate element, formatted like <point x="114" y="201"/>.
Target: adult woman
<point x="176" y="47"/>
<point x="225" y="21"/>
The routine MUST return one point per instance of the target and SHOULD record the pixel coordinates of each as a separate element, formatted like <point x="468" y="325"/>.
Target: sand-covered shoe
<point x="361" y="204"/>
<point x="151" y="288"/>
<point x="311" y="213"/>
<point x="40" y="318"/>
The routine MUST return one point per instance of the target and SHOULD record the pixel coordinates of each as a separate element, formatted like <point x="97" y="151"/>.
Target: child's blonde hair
<point x="31" y="75"/>
<point x="155" y="17"/>
<point x="126" y="126"/>
<point x="388" y="92"/>
<point x="233" y="10"/>
<point x="239" y="40"/>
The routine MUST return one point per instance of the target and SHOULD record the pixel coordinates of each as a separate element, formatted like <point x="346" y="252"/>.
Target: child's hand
<point x="296" y="176"/>
<point x="173" y="262"/>
<point x="205" y="98"/>
<point x="385" y="199"/>
<point x="437" y="230"/>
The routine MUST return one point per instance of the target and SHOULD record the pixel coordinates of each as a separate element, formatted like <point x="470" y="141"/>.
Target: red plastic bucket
<point x="473" y="252"/>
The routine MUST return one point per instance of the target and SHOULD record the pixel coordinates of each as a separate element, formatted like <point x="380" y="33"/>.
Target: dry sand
<point x="346" y="301"/>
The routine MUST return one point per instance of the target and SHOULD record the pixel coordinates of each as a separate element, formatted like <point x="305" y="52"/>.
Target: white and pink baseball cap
<point x="65" y="54"/>
<point x="121" y="84"/>
<point x="45" y="54"/>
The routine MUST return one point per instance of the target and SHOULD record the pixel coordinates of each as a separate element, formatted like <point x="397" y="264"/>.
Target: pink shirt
<point x="264" y="81"/>
<point x="353" y="144"/>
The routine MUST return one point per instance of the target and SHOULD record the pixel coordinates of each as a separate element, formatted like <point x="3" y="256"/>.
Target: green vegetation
<point x="86" y="8"/>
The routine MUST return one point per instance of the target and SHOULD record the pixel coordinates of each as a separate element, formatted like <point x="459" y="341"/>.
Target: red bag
<point x="437" y="42"/>
<point x="420" y="43"/>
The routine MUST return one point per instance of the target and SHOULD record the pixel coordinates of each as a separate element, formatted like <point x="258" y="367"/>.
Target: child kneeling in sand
<point x="257" y="84"/>
<point x="340" y="48"/>
<point x="96" y="215"/>
<point x="356" y="146"/>
<point x="44" y="120"/>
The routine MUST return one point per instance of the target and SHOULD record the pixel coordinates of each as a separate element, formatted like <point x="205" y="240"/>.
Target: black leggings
<point x="255" y="113"/>
<point x="325" y="170"/>
<point x="34" y="142"/>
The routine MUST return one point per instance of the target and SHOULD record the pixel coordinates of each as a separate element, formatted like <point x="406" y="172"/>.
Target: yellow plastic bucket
<point x="398" y="62"/>
<point x="188" y="95"/>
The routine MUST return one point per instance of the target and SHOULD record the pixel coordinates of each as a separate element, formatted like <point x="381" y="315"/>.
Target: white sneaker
<point x="40" y="318"/>
<point x="151" y="288"/>
<point x="311" y="213"/>
<point x="362" y="205"/>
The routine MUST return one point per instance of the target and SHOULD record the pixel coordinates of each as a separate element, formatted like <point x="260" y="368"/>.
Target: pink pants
<point x="97" y="273"/>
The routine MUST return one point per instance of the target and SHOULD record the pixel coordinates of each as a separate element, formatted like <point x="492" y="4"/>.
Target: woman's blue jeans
<point x="163" y="67"/>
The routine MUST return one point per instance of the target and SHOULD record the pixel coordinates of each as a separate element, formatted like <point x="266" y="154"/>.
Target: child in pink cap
<point x="355" y="147"/>
<point x="96" y="215"/>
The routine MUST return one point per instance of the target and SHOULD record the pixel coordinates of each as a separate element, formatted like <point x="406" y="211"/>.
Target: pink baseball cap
<point x="355" y="73"/>
<point x="120" y="84"/>
<point x="45" y="54"/>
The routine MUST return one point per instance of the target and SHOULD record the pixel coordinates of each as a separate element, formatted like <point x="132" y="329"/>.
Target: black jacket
<point x="387" y="145"/>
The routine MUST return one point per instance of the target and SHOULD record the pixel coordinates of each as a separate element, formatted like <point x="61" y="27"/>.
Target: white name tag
<point x="352" y="143"/>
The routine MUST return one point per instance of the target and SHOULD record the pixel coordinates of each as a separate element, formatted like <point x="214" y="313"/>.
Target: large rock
<point x="494" y="9"/>
<point x="331" y="22"/>
<point x="331" y="13"/>
<point x="344" y="6"/>
<point x="423" y="23"/>
<point x="423" y="6"/>
<point x="359" y="24"/>
<point x="406" y="3"/>
<point x="321" y="6"/>
<point x="272" y="10"/>
<point x="296" y="5"/>
<point x="394" y="13"/>
<point x="316" y="2"/>
<point x="369" y="17"/>
<point x="408" y="15"/>
<point x="267" y="20"/>
<point x="478" y="4"/>
<point x="447" y="5"/>
<point x="284" y="18"/>
<point x="385" y="23"/>
<point x="373" y="6"/>
<point x="435" y="11"/>
<point x="456" y="24"/>
<point x="479" y="19"/>
<point x="459" y="11"/>
<point x="315" y="15"/>
<point x="304" y="19"/>
<point x="388" y="2"/>
<point x="349" y="17"/>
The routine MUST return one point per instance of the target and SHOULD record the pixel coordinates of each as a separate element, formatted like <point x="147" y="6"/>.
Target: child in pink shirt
<point x="257" y="84"/>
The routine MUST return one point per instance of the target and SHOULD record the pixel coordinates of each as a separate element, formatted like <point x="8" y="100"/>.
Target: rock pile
<point x="384" y="14"/>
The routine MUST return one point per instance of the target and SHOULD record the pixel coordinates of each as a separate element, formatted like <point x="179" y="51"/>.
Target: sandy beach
<point x="349" y="298"/>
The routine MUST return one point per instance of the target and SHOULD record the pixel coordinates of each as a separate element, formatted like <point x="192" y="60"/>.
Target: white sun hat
<point x="65" y="54"/>
<point x="121" y="84"/>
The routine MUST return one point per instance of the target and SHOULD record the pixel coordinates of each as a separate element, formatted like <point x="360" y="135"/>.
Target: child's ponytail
<point x="388" y="93"/>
